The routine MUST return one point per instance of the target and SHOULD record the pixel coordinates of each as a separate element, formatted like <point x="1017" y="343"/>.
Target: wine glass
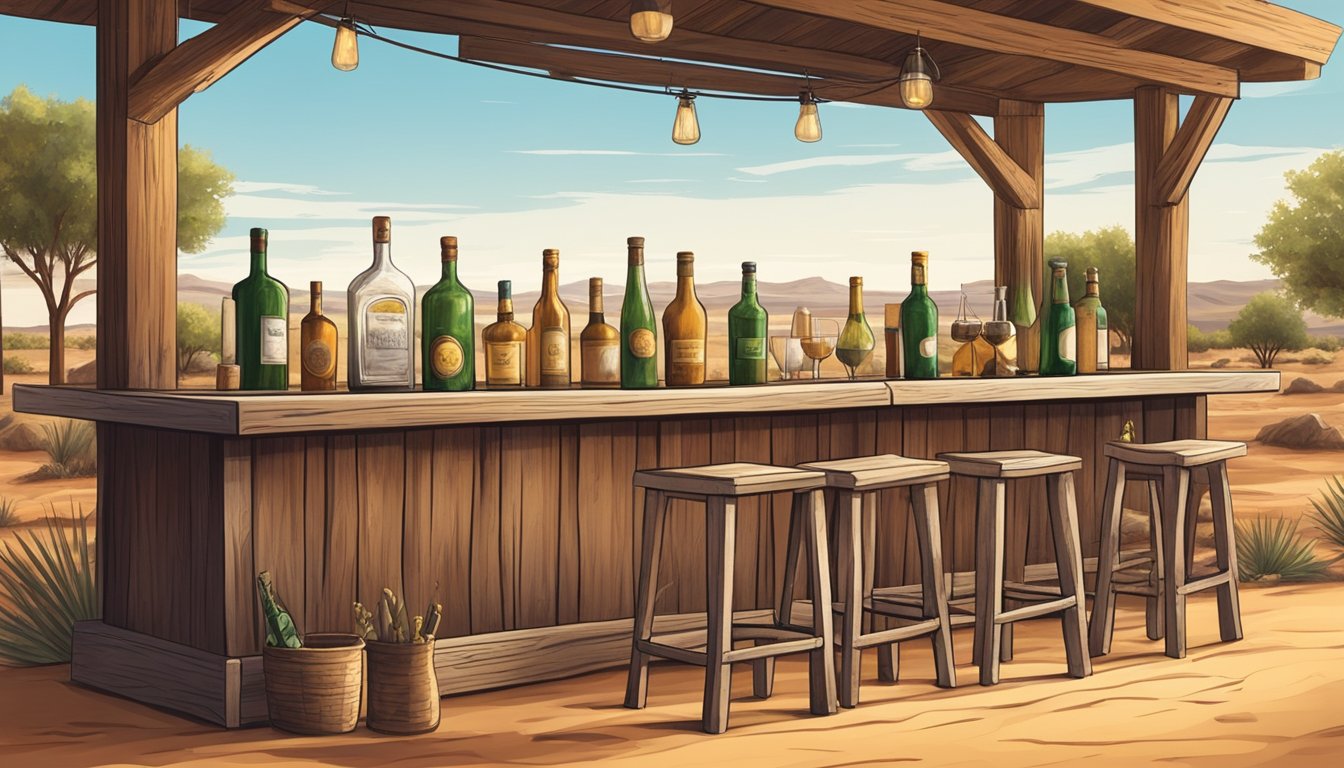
<point x="965" y="331"/>
<point x="788" y="354"/>
<point x="821" y="344"/>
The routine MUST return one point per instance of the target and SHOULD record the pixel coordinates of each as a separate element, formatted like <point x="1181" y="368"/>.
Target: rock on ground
<point x="16" y="435"/>
<point x="1306" y="431"/>
<point x="83" y="374"/>
<point x="1303" y="386"/>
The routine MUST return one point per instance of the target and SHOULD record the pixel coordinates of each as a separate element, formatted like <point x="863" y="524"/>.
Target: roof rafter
<point x="1009" y="181"/>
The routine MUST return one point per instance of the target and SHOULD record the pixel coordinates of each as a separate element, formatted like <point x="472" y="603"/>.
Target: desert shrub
<point x="70" y="445"/>
<point x="8" y="516"/>
<point x="1221" y="362"/>
<point x="1327" y="343"/>
<point x="82" y="342"/>
<point x="1267" y="325"/>
<point x="1317" y="357"/>
<point x="49" y="582"/>
<point x="1329" y="513"/>
<point x="17" y="365"/>
<point x="1271" y="547"/>
<point x="1200" y="341"/>
<point x="21" y="340"/>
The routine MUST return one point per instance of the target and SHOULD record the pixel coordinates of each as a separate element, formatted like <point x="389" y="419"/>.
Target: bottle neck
<point x="550" y="282"/>
<point x="316" y="300"/>
<point x="1059" y="288"/>
<point x="258" y="262"/>
<point x="450" y="270"/>
<point x="918" y="280"/>
<point x="856" y="300"/>
<point x="506" y="310"/>
<point x="596" y="310"/>
<point x="382" y="254"/>
<point x="1093" y="290"/>
<point x="749" y="286"/>
<point x="635" y="273"/>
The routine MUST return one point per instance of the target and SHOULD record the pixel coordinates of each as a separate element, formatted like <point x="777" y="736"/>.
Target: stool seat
<point x="1176" y="453"/>
<point x="883" y="471"/>
<point x="733" y="479"/>
<point x="1007" y="465"/>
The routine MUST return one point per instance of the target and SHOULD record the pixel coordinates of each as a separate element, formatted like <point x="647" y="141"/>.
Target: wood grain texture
<point x="380" y="459"/>
<point x="453" y="481"/>
<point x="278" y="465"/>
<point x="1019" y="233"/>
<point x="1161" y="240"/>
<point x="241" y="625"/>
<point x="1181" y="160"/>
<point x="1009" y="181"/>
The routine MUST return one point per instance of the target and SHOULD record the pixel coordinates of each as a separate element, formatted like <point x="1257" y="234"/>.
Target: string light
<point x="686" y="126"/>
<point x="808" y="127"/>
<point x="345" y="50"/>
<point x="916" y="78"/>
<point x="651" y="20"/>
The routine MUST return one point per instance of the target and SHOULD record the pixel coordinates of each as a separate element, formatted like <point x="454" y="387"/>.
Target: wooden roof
<point x="1029" y="50"/>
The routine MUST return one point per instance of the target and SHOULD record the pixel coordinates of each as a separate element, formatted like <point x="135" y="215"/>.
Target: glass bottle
<point x="1094" y="348"/>
<point x="317" y="345"/>
<point x="261" y="323"/>
<point x="919" y="323"/>
<point x="856" y="340"/>
<point x="1027" y="323"/>
<point x="1002" y="336"/>
<point x="748" y="325"/>
<point x="448" y="335"/>
<point x="505" y="345"/>
<point x="685" y="328"/>
<point x="548" y="360"/>
<point x="639" y="335"/>
<point x="381" y="304"/>
<point x="599" y="344"/>
<point x="1059" y="336"/>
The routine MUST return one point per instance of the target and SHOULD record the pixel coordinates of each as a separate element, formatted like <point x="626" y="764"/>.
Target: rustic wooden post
<point x="1019" y="233"/>
<point x="137" y="205"/>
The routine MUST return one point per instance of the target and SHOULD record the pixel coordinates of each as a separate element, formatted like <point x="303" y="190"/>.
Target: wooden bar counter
<point x="513" y="509"/>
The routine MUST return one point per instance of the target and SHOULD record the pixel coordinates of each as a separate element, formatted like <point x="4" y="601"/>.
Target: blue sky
<point x="515" y="164"/>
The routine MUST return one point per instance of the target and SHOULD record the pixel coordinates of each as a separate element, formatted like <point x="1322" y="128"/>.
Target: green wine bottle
<point x="747" y="328"/>
<point x="262" y="323"/>
<point x="1059" y="337"/>
<point x="639" y="334"/>
<point x="919" y="323"/>
<point x="280" y="629"/>
<point x="448" y="333"/>
<point x="856" y="340"/>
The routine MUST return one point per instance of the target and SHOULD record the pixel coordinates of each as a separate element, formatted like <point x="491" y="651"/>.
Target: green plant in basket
<point x="1330" y="511"/>
<point x="390" y="625"/>
<point x="1272" y="547"/>
<point x="280" y="629"/>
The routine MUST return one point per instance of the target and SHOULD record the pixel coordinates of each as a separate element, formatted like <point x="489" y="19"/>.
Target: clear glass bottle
<point x="381" y="306"/>
<point x="856" y="340"/>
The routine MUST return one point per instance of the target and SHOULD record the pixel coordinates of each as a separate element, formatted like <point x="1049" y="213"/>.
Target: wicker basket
<point x="403" y="688"/>
<point x="315" y="689"/>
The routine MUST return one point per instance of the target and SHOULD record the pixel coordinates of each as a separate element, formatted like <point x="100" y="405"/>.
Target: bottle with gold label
<point x="505" y="345"/>
<point x="1094" y="347"/>
<point x="448" y="333"/>
<point x="685" y="327"/>
<point x="381" y="304"/>
<point x="599" y="344"/>
<point x="317" y="346"/>
<point x="639" y="335"/>
<point x="919" y="323"/>
<point x="548" y="361"/>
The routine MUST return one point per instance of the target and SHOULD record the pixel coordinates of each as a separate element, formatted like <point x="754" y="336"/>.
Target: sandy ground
<point x="1271" y="699"/>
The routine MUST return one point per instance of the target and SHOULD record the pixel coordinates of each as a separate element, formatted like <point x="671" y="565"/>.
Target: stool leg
<point x="720" y="544"/>
<point x="1194" y="494"/>
<point x="1069" y="560"/>
<point x="1153" y="618"/>
<point x="646" y="590"/>
<point x="849" y="507"/>
<point x="1103" y="605"/>
<point x="989" y="578"/>
<point x="1225" y="544"/>
<point x="821" y="662"/>
<point x="784" y="615"/>
<point x="887" y="653"/>
<point x="1175" y="487"/>
<point x="928" y="530"/>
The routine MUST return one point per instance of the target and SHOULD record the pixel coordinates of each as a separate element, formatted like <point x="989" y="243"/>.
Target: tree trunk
<point x="56" y="352"/>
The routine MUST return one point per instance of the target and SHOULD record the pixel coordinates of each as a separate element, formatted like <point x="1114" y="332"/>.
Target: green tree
<point x="1111" y="251"/>
<point x="49" y="201"/>
<point x="197" y="332"/>
<point x="1269" y="324"/>
<point x="1303" y="241"/>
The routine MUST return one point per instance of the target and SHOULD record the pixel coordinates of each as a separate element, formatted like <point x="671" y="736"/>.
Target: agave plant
<point x="8" y="515"/>
<point x="70" y="446"/>
<point x="1272" y="547"/>
<point x="49" y="584"/>
<point x="1330" y="511"/>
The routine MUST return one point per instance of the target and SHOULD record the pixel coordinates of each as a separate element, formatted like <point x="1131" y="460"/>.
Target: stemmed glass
<point x="966" y="331"/>
<point x="821" y="344"/>
<point x="788" y="354"/>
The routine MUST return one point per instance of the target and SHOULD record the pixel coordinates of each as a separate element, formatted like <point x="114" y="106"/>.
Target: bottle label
<point x="751" y="348"/>
<point x="1103" y="350"/>
<point x="928" y="347"/>
<point x="643" y="344"/>
<point x="688" y="351"/>
<point x="318" y="359"/>
<point x="1068" y="344"/>
<point x="602" y="361"/>
<point x="386" y="341"/>
<point x="555" y="351"/>
<point x="274" y="340"/>
<point x="504" y="363"/>
<point x="446" y="356"/>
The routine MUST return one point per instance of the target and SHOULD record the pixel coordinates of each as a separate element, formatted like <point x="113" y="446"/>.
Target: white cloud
<point x="657" y="181"/>
<point x="253" y="187"/>
<point x="263" y="208"/>
<point x="824" y="161"/>
<point x="610" y="153"/>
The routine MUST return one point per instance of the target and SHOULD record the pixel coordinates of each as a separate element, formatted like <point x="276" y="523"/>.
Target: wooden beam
<point x="1249" y="22"/>
<point x="1193" y="139"/>
<point x="1009" y="180"/>
<point x="197" y="63"/>
<point x="1019" y="233"/>
<point x="137" y="205"/>
<point x="938" y="20"/>
<point x="646" y="71"/>
<point x="1161" y="240"/>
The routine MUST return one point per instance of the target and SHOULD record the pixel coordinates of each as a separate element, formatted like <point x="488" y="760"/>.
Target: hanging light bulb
<point x="345" y="51"/>
<point x="686" y="128"/>
<point x="808" y="127"/>
<point x="918" y="75"/>
<point x="651" y="20"/>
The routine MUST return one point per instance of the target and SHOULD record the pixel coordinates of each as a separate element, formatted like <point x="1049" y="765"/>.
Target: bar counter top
<point x="261" y="413"/>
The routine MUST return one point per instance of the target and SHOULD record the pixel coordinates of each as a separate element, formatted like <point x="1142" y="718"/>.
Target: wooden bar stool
<point x="719" y="487"/>
<point x="1168" y="468"/>
<point x="992" y="470"/>
<point x="856" y="483"/>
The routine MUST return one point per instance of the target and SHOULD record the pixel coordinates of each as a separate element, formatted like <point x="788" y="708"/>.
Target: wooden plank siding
<point x="533" y="525"/>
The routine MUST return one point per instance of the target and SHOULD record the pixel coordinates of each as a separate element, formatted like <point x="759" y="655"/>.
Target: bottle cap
<point x="505" y="289"/>
<point x="802" y="323"/>
<point x="315" y="286"/>
<point x="893" y="315"/>
<point x="919" y="257"/>
<point x="855" y="282"/>
<point x="748" y="267"/>
<point x="1058" y="263"/>
<point x="635" y="242"/>
<point x="550" y="257"/>
<point x="685" y="256"/>
<point x="259" y="237"/>
<point x="1092" y="274"/>
<point x="448" y="248"/>
<point x="382" y="229"/>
